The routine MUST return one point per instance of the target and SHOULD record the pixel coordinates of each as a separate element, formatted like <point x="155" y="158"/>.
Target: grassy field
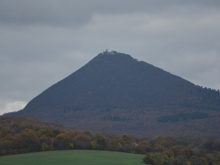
<point x="73" y="157"/>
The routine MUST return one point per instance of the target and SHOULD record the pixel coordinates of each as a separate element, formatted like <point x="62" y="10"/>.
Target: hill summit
<point x="116" y="93"/>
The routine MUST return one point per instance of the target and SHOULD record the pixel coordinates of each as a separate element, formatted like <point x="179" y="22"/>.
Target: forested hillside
<point x="119" y="94"/>
<point x="23" y="135"/>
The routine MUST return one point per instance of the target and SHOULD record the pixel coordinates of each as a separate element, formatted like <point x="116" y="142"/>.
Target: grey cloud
<point x="77" y="13"/>
<point x="42" y="12"/>
<point x="25" y="79"/>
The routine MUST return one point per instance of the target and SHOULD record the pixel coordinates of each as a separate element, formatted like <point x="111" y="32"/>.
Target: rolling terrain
<point x="19" y="135"/>
<point x="74" y="157"/>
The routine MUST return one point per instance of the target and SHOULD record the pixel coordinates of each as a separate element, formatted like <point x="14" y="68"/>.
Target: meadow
<point x="73" y="157"/>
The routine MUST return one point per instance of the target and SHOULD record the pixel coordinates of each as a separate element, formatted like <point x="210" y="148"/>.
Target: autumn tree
<point x="61" y="141"/>
<point x="113" y="145"/>
<point x="101" y="141"/>
<point x="143" y="147"/>
<point x="83" y="140"/>
<point x="203" y="161"/>
<point x="31" y="141"/>
<point x="155" y="159"/>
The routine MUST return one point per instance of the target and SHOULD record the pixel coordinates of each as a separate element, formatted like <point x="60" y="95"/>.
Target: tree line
<point x="18" y="138"/>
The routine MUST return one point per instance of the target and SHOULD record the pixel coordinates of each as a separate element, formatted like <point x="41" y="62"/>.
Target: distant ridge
<point x="116" y="93"/>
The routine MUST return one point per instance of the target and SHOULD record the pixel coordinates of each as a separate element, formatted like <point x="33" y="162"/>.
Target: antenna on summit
<point x="106" y="52"/>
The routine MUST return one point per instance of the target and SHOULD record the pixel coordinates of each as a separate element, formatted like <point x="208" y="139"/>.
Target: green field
<point x="73" y="157"/>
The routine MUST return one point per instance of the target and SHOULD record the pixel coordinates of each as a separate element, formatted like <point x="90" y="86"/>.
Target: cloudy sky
<point x="43" y="41"/>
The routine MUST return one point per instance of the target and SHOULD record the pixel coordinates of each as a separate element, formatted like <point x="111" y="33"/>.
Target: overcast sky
<point x="43" y="41"/>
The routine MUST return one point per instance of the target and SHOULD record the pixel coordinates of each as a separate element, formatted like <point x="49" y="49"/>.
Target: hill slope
<point x="116" y="93"/>
<point x="75" y="157"/>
